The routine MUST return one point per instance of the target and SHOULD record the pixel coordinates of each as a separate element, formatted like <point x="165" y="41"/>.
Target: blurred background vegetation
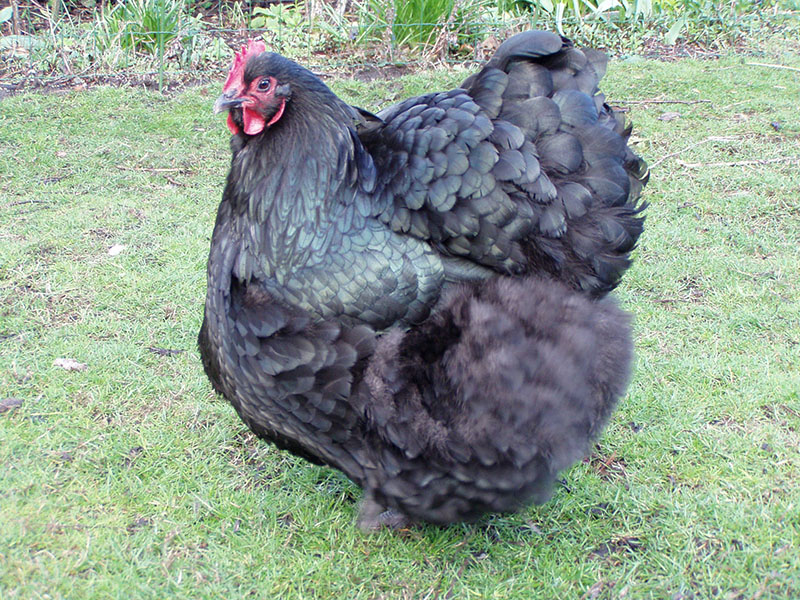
<point x="57" y="41"/>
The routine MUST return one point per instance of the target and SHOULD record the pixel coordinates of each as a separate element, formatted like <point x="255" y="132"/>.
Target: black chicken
<point x="416" y="297"/>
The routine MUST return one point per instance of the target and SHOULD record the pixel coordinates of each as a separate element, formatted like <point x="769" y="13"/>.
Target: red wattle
<point x="253" y="122"/>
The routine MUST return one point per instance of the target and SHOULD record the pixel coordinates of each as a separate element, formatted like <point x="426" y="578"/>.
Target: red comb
<point x="237" y="69"/>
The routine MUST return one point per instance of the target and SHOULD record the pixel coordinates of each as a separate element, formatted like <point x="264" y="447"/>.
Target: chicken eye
<point x="264" y="84"/>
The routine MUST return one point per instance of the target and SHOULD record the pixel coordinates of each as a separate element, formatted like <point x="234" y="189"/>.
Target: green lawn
<point x="130" y="479"/>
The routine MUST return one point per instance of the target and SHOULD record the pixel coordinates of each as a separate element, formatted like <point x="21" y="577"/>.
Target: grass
<point x="131" y="479"/>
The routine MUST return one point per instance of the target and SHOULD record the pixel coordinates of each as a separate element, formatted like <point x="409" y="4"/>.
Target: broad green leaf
<point x="675" y="31"/>
<point x="607" y="5"/>
<point x="644" y="8"/>
<point x="560" y="17"/>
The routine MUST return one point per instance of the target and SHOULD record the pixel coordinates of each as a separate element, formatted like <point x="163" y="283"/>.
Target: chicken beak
<point x="227" y="101"/>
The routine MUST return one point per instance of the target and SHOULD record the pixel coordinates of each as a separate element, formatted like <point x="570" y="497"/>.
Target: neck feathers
<point x="290" y="185"/>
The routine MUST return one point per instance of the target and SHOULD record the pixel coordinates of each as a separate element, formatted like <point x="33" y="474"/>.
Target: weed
<point x="418" y="23"/>
<point x="144" y="25"/>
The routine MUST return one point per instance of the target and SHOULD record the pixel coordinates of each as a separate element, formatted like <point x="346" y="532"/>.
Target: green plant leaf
<point x="144" y="25"/>
<point x="606" y="5"/>
<point x="560" y="17"/>
<point x="6" y="14"/>
<point x="644" y="8"/>
<point x="675" y="31"/>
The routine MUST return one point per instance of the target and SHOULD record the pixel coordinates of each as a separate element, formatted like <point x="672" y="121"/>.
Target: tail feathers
<point x="594" y="252"/>
<point x="479" y="407"/>
<point x="572" y="158"/>
<point x="526" y="45"/>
